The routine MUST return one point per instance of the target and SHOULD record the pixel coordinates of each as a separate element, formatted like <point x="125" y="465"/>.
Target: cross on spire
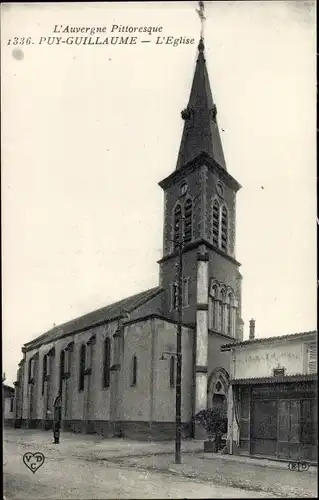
<point x="201" y="133"/>
<point x="201" y="13"/>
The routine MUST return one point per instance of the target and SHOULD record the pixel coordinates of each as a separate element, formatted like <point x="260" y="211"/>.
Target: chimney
<point x="252" y="323"/>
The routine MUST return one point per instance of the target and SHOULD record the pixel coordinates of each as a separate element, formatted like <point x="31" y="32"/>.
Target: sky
<point x="88" y="131"/>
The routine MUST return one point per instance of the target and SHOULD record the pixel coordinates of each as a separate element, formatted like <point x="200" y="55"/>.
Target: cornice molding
<point x="159" y="316"/>
<point x="193" y="165"/>
<point x="196" y="244"/>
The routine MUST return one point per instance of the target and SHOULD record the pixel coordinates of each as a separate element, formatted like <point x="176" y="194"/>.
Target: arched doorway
<point x="217" y="392"/>
<point x="217" y="388"/>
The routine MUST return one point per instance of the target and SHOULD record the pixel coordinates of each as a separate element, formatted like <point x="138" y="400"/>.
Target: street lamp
<point x="178" y="425"/>
<point x="178" y="353"/>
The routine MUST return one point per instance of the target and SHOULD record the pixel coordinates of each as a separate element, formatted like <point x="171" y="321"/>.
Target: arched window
<point x="107" y="363"/>
<point x="82" y="367"/>
<point x="230" y="314"/>
<point x="177" y="226"/>
<point x="215" y="223"/>
<point x="217" y="389"/>
<point x="226" y="306"/>
<point x="30" y="370"/>
<point x="68" y="358"/>
<point x="44" y="371"/>
<point x="172" y="371"/>
<point x="62" y="361"/>
<point x="224" y="229"/>
<point x="134" y="371"/>
<point x="222" y="310"/>
<point x="214" y="309"/>
<point x="188" y="222"/>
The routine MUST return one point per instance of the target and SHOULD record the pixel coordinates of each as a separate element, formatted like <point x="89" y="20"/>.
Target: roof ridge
<point x="129" y="304"/>
<point x="108" y="305"/>
<point x="265" y="339"/>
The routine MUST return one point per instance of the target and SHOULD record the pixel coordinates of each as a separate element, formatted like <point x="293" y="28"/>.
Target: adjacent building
<point x="8" y="404"/>
<point x="114" y="369"/>
<point x="272" y="400"/>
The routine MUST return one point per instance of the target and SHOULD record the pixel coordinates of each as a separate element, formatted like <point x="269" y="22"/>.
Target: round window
<point x="220" y="189"/>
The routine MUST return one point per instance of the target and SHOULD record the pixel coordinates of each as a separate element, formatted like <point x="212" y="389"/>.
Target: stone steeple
<point x="201" y="134"/>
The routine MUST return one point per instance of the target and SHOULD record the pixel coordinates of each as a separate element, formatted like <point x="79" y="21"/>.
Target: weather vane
<point x="201" y="13"/>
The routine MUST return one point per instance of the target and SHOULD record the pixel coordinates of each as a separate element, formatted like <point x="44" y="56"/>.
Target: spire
<point x="200" y="132"/>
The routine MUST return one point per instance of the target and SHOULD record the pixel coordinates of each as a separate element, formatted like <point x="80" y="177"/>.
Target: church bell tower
<point x="200" y="211"/>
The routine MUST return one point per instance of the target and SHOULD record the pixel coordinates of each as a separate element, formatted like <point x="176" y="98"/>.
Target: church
<point x="114" y="369"/>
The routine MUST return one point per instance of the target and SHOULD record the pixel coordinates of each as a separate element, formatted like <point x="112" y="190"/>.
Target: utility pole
<point x="179" y="353"/>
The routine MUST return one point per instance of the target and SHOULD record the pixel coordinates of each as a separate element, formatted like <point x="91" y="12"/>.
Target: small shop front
<point x="277" y="417"/>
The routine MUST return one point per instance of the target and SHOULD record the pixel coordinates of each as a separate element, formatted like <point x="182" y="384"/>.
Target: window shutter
<point x="312" y="357"/>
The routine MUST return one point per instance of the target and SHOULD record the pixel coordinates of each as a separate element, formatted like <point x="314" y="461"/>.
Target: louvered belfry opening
<point x="224" y="229"/>
<point x="188" y="221"/>
<point x="177" y="226"/>
<point x="215" y="223"/>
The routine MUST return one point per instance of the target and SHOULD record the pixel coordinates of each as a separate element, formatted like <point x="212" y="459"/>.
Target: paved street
<point x="255" y="475"/>
<point x="91" y="467"/>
